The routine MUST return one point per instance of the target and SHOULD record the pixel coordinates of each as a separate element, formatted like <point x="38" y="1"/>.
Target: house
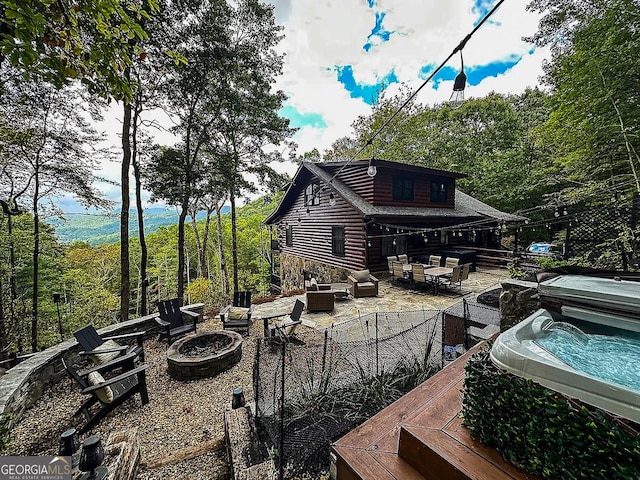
<point x="335" y="218"/>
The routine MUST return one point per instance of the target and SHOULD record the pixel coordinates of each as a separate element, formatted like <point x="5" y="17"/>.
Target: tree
<point x="49" y="150"/>
<point x="247" y="119"/>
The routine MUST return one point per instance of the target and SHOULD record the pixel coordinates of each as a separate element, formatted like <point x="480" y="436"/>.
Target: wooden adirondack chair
<point x="282" y="331"/>
<point x="104" y="349"/>
<point x="170" y="317"/>
<point x="238" y="315"/>
<point x="108" y="394"/>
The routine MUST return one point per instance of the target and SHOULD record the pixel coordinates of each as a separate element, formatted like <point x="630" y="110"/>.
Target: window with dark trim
<point x="402" y="188"/>
<point x="394" y="245"/>
<point x="337" y="241"/>
<point x="311" y="196"/>
<point x="289" y="235"/>
<point x="438" y="192"/>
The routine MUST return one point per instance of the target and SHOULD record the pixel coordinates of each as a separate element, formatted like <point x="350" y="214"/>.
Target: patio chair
<point x="390" y="261"/>
<point x="399" y="274"/>
<point x="104" y="349"/>
<point x="363" y="284"/>
<point x="404" y="258"/>
<point x="287" y="327"/>
<point x="237" y="316"/>
<point x="108" y="394"/>
<point x="418" y="276"/>
<point x="170" y="318"/>
<point x="454" y="281"/>
<point x="451" y="262"/>
<point x="320" y="298"/>
<point x="434" y="260"/>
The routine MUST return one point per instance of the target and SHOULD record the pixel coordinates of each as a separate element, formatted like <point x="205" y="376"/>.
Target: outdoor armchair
<point x="170" y="318"/>
<point x="104" y="349"/>
<point x="363" y="284"/>
<point x="286" y="328"/>
<point x="237" y="316"/>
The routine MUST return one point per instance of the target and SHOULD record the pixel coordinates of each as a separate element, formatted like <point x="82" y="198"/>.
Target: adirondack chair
<point x="238" y="315"/>
<point x="283" y="330"/>
<point x="108" y="394"/>
<point x="170" y="317"/>
<point x="104" y="349"/>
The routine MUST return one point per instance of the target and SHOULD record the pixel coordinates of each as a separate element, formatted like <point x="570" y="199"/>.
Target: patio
<point x="190" y="414"/>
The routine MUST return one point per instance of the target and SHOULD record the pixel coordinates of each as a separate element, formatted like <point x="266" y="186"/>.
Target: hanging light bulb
<point x="556" y="214"/>
<point x="332" y="199"/>
<point x="368" y="243"/>
<point x="372" y="170"/>
<point x="564" y="212"/>
<point x="394" y="241"/>
<point x="459" y="84"/>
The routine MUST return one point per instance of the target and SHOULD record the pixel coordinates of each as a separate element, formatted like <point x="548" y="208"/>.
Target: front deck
<point x="421" y="437"/>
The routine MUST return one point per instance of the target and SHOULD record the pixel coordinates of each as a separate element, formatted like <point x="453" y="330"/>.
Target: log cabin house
<point x="334" y="218"/>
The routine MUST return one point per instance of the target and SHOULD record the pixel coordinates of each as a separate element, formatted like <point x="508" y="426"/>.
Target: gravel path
<point x="180" y="414"/>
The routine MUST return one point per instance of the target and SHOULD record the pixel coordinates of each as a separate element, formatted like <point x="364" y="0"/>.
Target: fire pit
<point x="203" y="355"/>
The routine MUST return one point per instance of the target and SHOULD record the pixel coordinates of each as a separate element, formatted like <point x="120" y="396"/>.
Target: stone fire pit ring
<point x="183" y="364"/>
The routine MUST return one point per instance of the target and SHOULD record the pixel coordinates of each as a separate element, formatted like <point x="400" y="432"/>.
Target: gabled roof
<point x="465" y="205"/>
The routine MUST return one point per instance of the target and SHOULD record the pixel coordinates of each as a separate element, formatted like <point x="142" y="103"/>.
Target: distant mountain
<point x="105" y="228"/>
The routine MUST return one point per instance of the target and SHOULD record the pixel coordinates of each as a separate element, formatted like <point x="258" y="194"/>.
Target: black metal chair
<point x="282" y="331"/>
<point x="109" y="394"/>
<point x="237" y="316"/>
<point x="104" y="349"/>
<point x="170" y="318"/>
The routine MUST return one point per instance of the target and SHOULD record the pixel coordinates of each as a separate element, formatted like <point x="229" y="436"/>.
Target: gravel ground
<point x="180" y="414"/>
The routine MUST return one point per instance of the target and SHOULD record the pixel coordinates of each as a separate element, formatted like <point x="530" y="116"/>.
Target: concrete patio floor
<point x="391" y="298"/>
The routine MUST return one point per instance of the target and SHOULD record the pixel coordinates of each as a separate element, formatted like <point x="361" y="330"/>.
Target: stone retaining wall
<point x="518" y="300"/>
<point x="291" y="268"/>
<point x="23" y="384"/>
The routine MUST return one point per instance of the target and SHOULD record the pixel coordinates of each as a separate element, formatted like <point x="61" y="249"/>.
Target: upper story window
<point x="438" y="192"/>
<point x="337" y="241"/>
<point x="402" y="188"/>
<point x="289" y="236"/>
<point x="311" y="196"/>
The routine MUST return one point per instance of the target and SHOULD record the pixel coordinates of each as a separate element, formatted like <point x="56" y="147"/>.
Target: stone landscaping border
<point x="23" y="384"/>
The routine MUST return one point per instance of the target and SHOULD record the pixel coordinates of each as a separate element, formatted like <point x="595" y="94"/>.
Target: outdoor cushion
<point x="237" y="313"/>
<point x="361" y="276"/>
<point x="100" y="358"/>
<point x="366" y="285"/>
<point x="105" y="394"/>
<point x="313" y="285"/>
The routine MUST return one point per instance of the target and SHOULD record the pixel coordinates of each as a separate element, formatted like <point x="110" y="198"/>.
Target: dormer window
<point x="402" y="188"/>
<point x="311" y="196"/>
<point x="438" y="192"/>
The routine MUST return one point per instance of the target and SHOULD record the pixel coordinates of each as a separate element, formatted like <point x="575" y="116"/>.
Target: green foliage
<point x="542" y="431"/>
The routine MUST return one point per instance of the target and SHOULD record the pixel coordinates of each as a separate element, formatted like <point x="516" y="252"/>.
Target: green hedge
<point x="544" y="432"/>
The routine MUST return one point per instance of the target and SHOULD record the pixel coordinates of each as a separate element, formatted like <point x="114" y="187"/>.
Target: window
<point x="402" y="188"/>
<point x="438" y="192"/>
<point x="394" y="245"/>
<point x="289" y="235"/>
<point x="311" y="196"/>
<point x="337" y="241"/>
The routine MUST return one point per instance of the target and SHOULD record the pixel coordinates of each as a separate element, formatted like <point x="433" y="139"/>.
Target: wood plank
<point x="357" y="464"/>
<point x="437" y="455"/>
<point x="441" y="412"/>
<point x="397" y="467"/>
<point x="185" y="453"/>
<point x="463" y="435"/>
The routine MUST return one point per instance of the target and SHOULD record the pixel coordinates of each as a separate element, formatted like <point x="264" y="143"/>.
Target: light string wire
<point x="458" y="48"/>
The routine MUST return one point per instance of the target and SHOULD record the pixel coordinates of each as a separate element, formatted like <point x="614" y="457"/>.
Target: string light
<point x="332" y="199"/>
<point x="372" y="170"/>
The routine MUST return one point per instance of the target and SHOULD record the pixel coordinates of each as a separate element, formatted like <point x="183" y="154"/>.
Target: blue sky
<point x="341" y="54"/>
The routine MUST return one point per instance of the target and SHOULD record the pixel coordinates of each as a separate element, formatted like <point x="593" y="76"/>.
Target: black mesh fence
<point x="321" y="384"/>
<point x="336" y="379"/>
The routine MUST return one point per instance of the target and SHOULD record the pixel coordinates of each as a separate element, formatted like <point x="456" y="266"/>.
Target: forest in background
<point x="572" y="146"/>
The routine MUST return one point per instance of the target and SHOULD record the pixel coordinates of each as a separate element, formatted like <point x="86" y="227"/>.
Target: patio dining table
<point x="436" y="273"/>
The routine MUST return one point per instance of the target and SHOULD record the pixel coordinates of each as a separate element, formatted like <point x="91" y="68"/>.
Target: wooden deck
<point x="420" y="437"/>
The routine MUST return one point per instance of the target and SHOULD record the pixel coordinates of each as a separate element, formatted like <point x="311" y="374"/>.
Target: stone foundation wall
<point x="291" y="268"/>
<point x="23" y="384"/>
<point x="518" y="300"/>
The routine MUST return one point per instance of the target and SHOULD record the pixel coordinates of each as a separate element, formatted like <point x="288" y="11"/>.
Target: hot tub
<point x="581" y="317"/>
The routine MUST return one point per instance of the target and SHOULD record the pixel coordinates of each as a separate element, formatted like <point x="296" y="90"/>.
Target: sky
<point x="340" y="53"/>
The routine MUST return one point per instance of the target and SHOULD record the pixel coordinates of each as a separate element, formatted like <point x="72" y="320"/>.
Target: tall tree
<point x="53" y="149"/>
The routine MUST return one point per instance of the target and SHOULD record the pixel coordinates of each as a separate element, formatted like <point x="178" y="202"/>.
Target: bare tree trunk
<point x="192" y="213"/>
<point x="36" y="255"/>
<point x="144" y="282"/>
<point x="223" y="264"/>
<point x="181" y="222"/>
<point x="234" y="241"/>
<point x="205" y="243"/>
<point x="125" y="281"/>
